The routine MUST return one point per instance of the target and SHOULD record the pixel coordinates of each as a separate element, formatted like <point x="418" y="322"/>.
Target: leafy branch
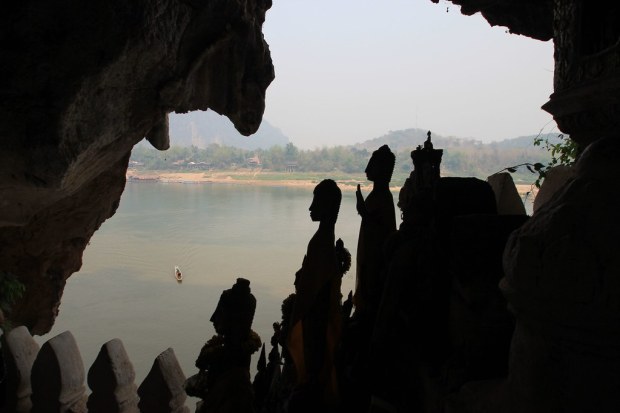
<point x="563" y="152"/>
<point x="532" y="167"/>
<point x="10" y="291"/>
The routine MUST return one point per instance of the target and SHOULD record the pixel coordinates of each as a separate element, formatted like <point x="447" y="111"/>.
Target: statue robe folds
<point x="316" y="320"/>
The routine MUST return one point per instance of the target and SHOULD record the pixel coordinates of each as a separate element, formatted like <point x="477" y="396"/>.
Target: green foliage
<point x="10" y="291"/>
<point x="532" y="167"/>
<point x="563" y="152"/>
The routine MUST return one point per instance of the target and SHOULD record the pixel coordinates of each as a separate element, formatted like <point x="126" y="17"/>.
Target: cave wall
<point x="531" y="18"/>
<point x="82" y="83"/>
<point x="586" y="98"/>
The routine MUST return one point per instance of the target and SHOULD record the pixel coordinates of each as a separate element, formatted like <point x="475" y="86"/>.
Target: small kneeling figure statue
<point x="223" y="382"/>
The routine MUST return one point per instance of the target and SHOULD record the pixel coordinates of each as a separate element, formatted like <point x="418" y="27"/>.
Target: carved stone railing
<point x="51" y="379"/>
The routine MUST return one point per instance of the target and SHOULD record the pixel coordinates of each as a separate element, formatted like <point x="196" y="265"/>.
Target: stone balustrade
<point x="51" y="379"/>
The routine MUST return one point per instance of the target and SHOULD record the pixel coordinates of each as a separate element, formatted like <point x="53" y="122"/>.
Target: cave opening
<point x="58" y="180"/>
<point x="292" y="91"/>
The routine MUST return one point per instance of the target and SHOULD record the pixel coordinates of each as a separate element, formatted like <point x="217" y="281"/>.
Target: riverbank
<point x="248" y="177"/>
<point x="346" y="182"/>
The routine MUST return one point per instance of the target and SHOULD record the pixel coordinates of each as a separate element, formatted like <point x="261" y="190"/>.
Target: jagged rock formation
<point x="532" y="18"/>
<point x="82" y="84"/>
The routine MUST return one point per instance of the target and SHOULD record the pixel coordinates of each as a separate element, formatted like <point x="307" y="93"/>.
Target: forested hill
<point x="468" y="157"/>
<point x="201" y="129"/>
<point x="461" y="157"/>
<point x="408" y="139"/>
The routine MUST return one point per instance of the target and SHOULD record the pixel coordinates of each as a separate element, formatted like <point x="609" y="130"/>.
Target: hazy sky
<point x="351" y="70"/>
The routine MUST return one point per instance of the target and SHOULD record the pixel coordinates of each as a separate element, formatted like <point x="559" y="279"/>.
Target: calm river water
<point x="214" y="233"/>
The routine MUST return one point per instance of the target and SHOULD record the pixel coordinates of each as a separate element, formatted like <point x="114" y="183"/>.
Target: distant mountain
<point x="524" y="142"/>
<point x="466" y="156"/>
<point x="201" y="129"/>
<point x="408" y="139"/>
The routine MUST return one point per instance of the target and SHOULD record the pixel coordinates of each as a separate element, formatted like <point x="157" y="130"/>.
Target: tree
<point x="291" y="151"/>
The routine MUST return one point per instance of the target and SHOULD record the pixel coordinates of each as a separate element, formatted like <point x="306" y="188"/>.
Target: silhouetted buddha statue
<point x="316" y="318"/>
<point x="378" y="223"/>
<point x="269" y="393"/>
<point x="224" y="361"/>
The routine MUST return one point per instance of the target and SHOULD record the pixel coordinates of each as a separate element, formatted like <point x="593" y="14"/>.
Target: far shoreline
<point x="267" y="178"/>
<point x="245" y="177"/>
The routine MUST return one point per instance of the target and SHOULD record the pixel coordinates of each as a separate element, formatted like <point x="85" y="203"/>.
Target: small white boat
<point x="177" y="273"/>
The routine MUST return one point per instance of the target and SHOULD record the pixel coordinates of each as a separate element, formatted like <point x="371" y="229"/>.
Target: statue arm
<point x="360" y="204"/>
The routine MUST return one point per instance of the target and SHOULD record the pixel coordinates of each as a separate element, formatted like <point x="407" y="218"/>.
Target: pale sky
<point x="352" y="70"/>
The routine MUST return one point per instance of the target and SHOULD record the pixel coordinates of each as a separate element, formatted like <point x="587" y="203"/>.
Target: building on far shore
<point x="291" y="166"/>
<point x="254" y="162"/>
<point x="201" y="166"/>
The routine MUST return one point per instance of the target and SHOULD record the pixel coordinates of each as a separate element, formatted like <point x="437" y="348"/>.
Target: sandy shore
<point x="236" y="178"/>
<point x="259" y="178"/>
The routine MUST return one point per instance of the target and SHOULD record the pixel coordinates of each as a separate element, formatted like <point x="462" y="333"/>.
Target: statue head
<point x="405" y="194"/>
<point x="381" y="165"/>
<point x="234" y="313"/>
<point x="326" y="202"/>
<point x="415" y="203"/>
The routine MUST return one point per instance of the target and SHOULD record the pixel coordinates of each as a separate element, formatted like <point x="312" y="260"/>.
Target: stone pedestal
<point x="162" y="389"/>
<point x="111" y="379"/>
<point x="58" y="377"/>
<point x="19" y="351"/>
<point x="507" y="196"/>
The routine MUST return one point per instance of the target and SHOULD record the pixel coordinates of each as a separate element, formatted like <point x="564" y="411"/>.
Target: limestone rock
<point x="111" y="379"/>
<point x="507" y="197"/>
<point x="58" y="377"/>
<point x="19" y="351"/>
<point x="83" y="83"/>
<point x="532" y="19"/>
<point x="159" y="135"/>
<point x="46" y="251"/>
